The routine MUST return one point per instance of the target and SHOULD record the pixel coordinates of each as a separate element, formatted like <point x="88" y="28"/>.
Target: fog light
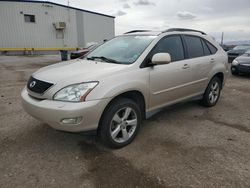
<point x="75" y="120"/>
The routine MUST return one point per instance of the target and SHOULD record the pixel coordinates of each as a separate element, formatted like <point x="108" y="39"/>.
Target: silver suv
<point x="124" y="80"/>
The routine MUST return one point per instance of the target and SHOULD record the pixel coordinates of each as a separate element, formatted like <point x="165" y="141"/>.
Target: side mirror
<point x="161" y="58"/>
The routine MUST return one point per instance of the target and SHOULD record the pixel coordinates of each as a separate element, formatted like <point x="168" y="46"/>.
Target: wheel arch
<point x="220" y="75"/>
<point x="134" y="95"/>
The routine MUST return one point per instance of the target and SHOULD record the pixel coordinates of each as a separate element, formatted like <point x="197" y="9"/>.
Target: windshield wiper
<point x="104" y="59"/>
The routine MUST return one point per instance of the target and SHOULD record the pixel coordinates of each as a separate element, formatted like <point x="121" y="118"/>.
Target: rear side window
<point x="213" y="50"/>
<point x="172" y="45"/>
<point x="206" y="49"/>
<point x="194" y="46"/>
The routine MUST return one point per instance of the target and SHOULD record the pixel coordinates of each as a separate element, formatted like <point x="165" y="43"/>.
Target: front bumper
<point x="244" y="68"/>
<point x="53" y="112"/>
<point x="241" y="68"/>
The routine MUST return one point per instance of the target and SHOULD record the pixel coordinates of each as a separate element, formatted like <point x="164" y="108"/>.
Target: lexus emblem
<point x="32" y="84"/>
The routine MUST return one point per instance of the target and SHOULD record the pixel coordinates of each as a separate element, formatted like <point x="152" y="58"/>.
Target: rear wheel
<point x="120" y="123"/>
<point x="212" y="93"/>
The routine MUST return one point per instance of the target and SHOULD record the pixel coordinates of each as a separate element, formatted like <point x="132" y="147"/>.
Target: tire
<point x="120" y="123"/>
<point x="234" y="71"/>
<point x="212" y="93"/>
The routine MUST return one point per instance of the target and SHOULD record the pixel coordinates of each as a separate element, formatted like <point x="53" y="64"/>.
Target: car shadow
<point x="175" y="108"/>
<point x="97" y="166"/>
<point x="43" y="149"/>
<point x="243" y="75"/>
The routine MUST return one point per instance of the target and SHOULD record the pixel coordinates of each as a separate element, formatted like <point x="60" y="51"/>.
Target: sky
<point x="211" y="16"/>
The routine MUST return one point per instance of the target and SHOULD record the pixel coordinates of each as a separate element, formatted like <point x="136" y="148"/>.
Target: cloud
<point x="126" y="6"/>
<point x="185" y="15"/>
<point x="210" y="16"/>
<point x="206" y="9"/>
<point x="119" y="13"/>
<point x="144" y="2"/>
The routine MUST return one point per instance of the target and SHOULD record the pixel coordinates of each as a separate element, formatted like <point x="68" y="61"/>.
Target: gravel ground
<point x="186" y="145"/>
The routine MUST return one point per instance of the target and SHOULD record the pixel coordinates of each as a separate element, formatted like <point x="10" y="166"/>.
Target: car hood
<point x="243" y="59"/>
<point x="236" y="51"/>
<point x="77" y="71"/>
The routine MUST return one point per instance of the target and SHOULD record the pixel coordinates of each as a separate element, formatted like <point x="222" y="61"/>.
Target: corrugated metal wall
<point x="97" y="28"/>
<point x="16" y="33"/>
<point x="80" y="28"/>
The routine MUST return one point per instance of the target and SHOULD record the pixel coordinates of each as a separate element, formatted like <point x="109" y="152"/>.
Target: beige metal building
<point x="42" y="25"/>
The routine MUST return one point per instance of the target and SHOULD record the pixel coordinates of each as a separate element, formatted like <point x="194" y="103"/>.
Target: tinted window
<point x="172" y="45"/>
<point x="194" y="46"/>
<point x="211" y="47"/>
<point x="206" y="49"/>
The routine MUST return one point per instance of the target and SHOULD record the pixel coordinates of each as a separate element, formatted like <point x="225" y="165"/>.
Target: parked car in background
<point x="237" y="51"/>
<point x="241" y="64"/>
<point x="125" y="80"/>
<point x="82" y="52"/>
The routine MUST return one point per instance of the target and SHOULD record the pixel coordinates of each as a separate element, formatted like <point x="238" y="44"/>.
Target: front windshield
<point x="123" y="49"/>
<point x="247" y="53"/>
<point x="241" y="48"/>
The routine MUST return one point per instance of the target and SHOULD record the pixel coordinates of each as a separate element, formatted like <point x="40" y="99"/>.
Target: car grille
<point x="38" y="86"/>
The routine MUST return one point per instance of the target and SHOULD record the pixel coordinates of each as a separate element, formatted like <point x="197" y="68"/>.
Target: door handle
<point x="186" y="66"/>
<point x="212" y="60"/>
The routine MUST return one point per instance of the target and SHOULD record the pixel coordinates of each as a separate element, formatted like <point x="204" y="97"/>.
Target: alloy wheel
<point x="123" y="125"/>
<point x="214" y="92"/>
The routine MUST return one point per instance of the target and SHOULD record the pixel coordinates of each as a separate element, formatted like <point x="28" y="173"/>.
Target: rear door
<point x="201" y="59"/>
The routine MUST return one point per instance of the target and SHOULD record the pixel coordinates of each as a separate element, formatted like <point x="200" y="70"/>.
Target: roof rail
<point x="183" y="30"/>
<point x="136" y="31"/>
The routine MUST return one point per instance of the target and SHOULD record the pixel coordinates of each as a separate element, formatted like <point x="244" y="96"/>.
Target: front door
<point x="170" y="82"/>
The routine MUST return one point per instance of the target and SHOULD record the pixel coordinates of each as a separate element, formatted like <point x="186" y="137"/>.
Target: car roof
<point x="171" y="30"/>
<point x="144" y="33"/>
<point x="174" y="31"/>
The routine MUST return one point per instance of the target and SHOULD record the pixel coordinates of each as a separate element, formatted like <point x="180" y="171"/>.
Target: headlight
<point x="235" y="62"/>
<point x="76" y="92"/>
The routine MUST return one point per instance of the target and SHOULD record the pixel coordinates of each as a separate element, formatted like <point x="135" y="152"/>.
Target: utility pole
<point x="68" y="12"/>
<point x="222" y="38"/>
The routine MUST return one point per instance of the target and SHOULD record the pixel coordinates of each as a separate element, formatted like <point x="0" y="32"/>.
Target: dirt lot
<point x="186" y="145"/>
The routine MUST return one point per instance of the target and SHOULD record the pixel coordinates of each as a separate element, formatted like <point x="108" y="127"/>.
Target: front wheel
<point x="120" y="123"/>
<point x="212" y="93"/>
